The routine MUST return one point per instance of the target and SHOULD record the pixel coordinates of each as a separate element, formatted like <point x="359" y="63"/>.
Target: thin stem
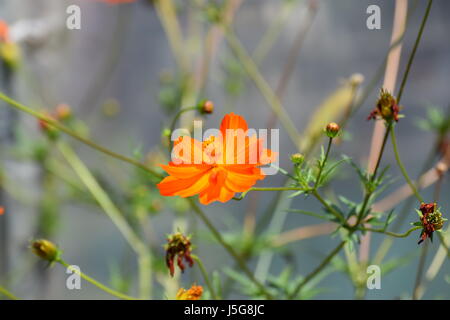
<point x="413" y="53"/>
<point x="243" y="194"/>
<point x="175" y="120"/>
<point x="229" y="249"/>
<point x="392" y="234"/>
<point x="105" y="202"/>
<point x="420" y="268"/>
<point x="327" y="205"/>
<point x="310" y="276"/>
<point x="95" y="282"/>
<point x="383" y="146"/>
<point x="402" y="167"/>
<point x="75" y="135"/>
<point x="7" y="294"/>
<point x="205" y="276"/>
<point x="323" y="163"/>
<point x="373" y="176"/>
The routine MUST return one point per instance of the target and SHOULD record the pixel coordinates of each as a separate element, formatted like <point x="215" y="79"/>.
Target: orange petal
<point x="201" y="184"/>
<point x="233" y="121"/>
<point x="172" y="186"/>
<point x="184" y="171"/>
<point x="240" y="182"/>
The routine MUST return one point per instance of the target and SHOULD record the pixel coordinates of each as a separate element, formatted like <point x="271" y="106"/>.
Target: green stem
<point x="113" y="213"/>
<point x="322" y="164"/>
<point x="310" y="276"/>
<point x="402" y="167"/>
<point x="175" y="120"/>
<point x="368" y="193"/>
<point x="95" y="282"/>
<point x="243" y="194"/>
<point x="7" y="294"/>
<point x="327" y="205"/>
<point x="75" y="135"/>
<point x="205" y="276"/>
<point x="392" y="234"/>
<point x="413" y="53"/>
<point x="228" y="248"/>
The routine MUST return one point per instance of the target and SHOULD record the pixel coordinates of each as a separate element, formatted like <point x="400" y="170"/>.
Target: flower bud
<point x="51" y="132"/>
<point x="297" y="158"/>
<point x="63" y="112"/>
<point x="332" y="130"/>
<point x="206" y="107"/>
<point x="45" y="250"/>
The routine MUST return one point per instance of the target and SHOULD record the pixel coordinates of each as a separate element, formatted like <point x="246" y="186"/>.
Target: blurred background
<point x="124" y="84"/>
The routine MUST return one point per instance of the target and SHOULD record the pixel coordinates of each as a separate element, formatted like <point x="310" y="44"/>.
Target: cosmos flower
<point x="218" y="167"/>
<point x="194" y="293"/>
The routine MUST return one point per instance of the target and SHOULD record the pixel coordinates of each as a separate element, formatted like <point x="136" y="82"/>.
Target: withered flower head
<point x="386" y="108"/>
<point x="178" y="246"/>
<point x="45" y="250"/>
<point x="332" y="130"/>
<point x="431" y="220"/>
<point x="194" y="293"/>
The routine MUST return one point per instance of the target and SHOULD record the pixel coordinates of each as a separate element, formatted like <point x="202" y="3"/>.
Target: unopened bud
<point x="63" y="111"/>
<point x="206" y="107"/>
<point x="45" y="250"/>
<point x="297" y="158"/>
<point x="332" y="129"/>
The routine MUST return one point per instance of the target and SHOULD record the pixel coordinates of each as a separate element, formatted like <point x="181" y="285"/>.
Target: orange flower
<point x="4" y="31"/>
<point x="194" y="293"/>
<point x="218" y="167"/>
<point x="2" y="210"/>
